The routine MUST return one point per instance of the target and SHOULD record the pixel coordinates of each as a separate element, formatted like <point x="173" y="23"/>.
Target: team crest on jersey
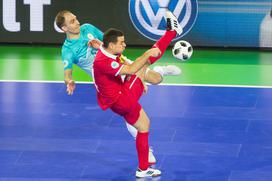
<point x="148" y="16"/>
<point x="114" y="65"/>
<point x="65" y="63"/>
<point x="90" y="36"/>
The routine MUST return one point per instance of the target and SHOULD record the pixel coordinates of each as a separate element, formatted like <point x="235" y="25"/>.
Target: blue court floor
<point x="197" y="133"/>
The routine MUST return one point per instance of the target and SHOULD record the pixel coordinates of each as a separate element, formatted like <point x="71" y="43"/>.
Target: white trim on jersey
<point x="133" y="82"/>
<point x="107" y="54"/>
<point x="117" y="73"/>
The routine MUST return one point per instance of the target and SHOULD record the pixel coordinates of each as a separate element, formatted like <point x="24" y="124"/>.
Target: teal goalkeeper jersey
<point x="77" y="51"/>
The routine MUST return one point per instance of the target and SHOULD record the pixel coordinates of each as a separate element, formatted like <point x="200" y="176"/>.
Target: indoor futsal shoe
<point x="168" y="70"/>
<point x="172" y="22"/>
<point x="150" y="172"/>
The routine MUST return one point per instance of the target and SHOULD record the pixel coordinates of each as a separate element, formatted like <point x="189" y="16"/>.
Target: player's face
<point x="120" y="45"/>
<point x="71" y="25"/>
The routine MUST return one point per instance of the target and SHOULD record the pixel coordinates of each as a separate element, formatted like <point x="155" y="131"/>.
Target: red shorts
<point x="127" y="104"/>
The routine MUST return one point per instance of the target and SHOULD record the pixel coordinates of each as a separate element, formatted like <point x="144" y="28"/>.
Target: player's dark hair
<point x="60" y="19"/>
<point x="111" y="36"/>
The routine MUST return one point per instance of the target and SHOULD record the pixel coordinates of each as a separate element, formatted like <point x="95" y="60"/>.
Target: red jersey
<point x="108" y="82"/>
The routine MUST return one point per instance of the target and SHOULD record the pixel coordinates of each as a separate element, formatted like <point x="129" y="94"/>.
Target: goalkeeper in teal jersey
<point x="80" y="47"/>
<point x="79" y="51"/>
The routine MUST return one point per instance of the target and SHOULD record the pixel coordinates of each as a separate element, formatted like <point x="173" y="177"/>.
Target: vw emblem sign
<point x="148" y="16"/>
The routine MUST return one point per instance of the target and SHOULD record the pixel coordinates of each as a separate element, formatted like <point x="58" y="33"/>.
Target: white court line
<point x="162" y="84"/>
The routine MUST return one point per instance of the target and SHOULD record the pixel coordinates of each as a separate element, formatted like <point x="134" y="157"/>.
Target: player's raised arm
<point x="140" y="62"/>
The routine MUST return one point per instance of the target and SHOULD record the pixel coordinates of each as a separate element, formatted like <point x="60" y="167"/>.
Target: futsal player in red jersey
<point x="120" y="86"/>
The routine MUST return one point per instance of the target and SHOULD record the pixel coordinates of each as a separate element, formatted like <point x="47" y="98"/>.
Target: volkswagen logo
<point x="148" y="16"/>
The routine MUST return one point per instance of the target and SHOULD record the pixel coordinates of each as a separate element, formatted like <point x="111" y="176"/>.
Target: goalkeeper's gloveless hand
<point x="95" y="43"/>
<point x="70" y="87"/>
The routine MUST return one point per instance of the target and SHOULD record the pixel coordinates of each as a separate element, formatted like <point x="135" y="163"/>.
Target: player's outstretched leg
<point x="173" y="28"/>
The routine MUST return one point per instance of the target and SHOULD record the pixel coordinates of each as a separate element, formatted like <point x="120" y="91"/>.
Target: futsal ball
<point x="182" y="50"/>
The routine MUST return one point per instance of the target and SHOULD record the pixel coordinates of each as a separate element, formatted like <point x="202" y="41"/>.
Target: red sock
<point x="142" y="149"/>
<point x="162" y="44"/>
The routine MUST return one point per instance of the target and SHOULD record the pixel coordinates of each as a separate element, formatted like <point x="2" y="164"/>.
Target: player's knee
<point x="157" y="79"/>
<point x="143" y="125"/>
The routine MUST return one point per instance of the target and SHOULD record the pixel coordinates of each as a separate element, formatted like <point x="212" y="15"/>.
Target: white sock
<point x="133" y="131"/>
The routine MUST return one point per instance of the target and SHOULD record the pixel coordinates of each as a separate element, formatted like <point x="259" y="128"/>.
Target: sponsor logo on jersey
<point x="65" y="63"/>
<point x="90" y="36"/>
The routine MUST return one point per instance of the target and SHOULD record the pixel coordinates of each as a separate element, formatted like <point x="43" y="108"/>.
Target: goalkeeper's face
<point x="71" y="25"/>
